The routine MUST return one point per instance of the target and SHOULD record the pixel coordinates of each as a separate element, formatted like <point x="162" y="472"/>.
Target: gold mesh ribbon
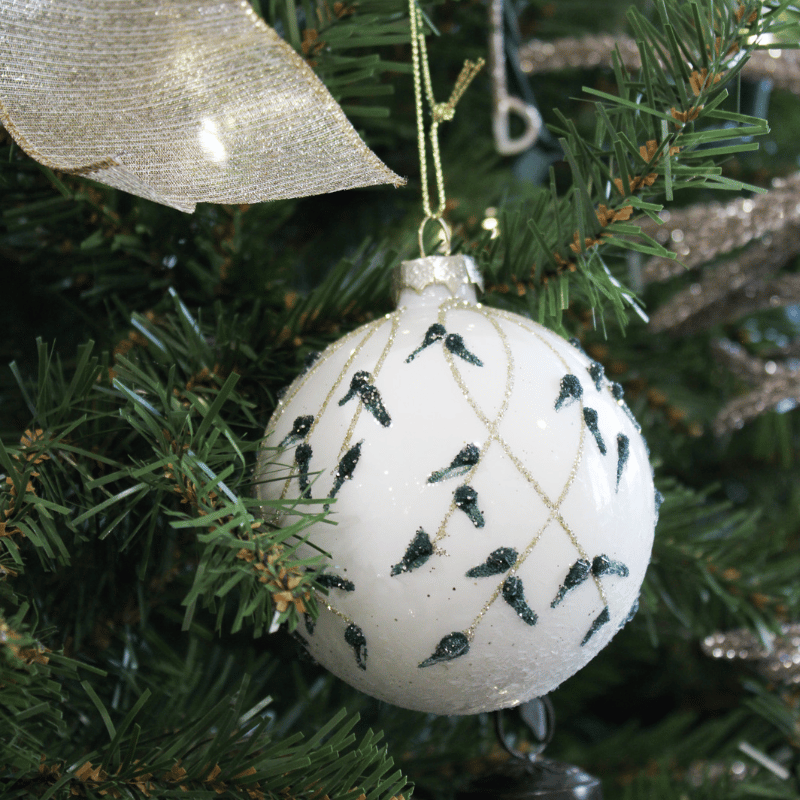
<point x="178" y="101"/>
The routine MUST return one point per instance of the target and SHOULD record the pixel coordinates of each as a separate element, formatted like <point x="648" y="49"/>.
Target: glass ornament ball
<point x="492" y="494"/>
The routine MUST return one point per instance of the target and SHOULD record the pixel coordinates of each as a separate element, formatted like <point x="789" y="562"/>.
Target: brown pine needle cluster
<point x="31" y="452"/>
<point x="280" y="581"/>
<point x="9" y="640"/>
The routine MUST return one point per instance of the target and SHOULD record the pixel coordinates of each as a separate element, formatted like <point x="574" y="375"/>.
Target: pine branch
<point x="664" y="130"/>
<point x="222" y="746"/>
<point x="709" y="569"/>
<point x="346" y="43"/>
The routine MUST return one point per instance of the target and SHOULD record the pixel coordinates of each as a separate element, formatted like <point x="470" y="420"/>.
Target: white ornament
<point x="493" y="498"/>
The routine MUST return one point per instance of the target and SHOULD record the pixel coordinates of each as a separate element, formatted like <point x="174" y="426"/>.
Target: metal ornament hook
<point x="540" y="716"/>
<point x="504" y="105"/>
<point x="530" y="776"/>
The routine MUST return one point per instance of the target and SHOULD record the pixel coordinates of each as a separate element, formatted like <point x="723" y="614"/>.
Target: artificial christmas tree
<point x="150" y="609"/>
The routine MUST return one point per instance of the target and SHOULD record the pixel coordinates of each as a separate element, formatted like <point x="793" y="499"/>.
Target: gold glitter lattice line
<point x="491" y="425"/>
<point x="494" y="434"/>
<point x="374" y="374"/>
<point x="371" y="330"/>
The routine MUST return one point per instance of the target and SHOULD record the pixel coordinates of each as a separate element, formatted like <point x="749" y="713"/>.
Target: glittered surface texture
<point x="577" y="574"/>
<point x="310" y="359"/>
<point x="598" y="374"/>
<point x="576" y="343"/>
<point x="417" y="553"/>
<point x="603" y="565"/>
<point x="302" y="458"/>
<point x="466" y="458"/>
<point x="658" y="500"/>
<point x="623" y="452"/>
<point x="331" y="581"/>
<point x="602" y="619"/>
<point x="619" y="394"/>
<point x="370" y="397"/>
<point x="466" y="498"/>
<point x="451" y="646"/>
<point x="590" y="415"/>
<point x="632" y="613"/>
<point x="354" y="636"/>
<point x="498" y="562"/>
<point x="570" y="391"/>
<point x="435" y="333"/>
<point x="344" y="470"/>
<point x="455" y="344"/>
<point x="514" y="595"/>
<point x="300" y="428"/>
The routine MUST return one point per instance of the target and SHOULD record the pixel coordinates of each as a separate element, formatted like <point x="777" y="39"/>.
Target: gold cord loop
<point x="445" y="230"/>
<point x="441" y="112"/>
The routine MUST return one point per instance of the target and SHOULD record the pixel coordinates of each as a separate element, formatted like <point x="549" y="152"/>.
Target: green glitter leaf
<point x="603" y="618"/>
<point x="577" y="574"/>
<point x="311" y="358"/>
<point x="619" y="393"/>
<point x="451" y="646"/>
<point x="590" y="415"/>
<point x="603" y="565"/>
<point x="310" y="623"/>
<point x="499" y="561"/>
<point x="576" y="343"/>
<point x="331" y="581"/>
<point x="354" y="636"/>
<point x="466" y="498"/>
<point x="598" y="374"/>
<point x="514" y="595"/>
<point x="632" y="613"/>
<point x="455" y="344"/>
<point x="344" y="470"/>
<point x="417" y="553"/>
<point x="571" y="390"/>
<point x="302" y="425"/>
<point x="466" y="459"/>
<point x="623" y="451"/>
<point x="435" y="333"/>
<point x="658" y="499"/>
<point x="370" y="397"/>
<point x="302" y="457"/>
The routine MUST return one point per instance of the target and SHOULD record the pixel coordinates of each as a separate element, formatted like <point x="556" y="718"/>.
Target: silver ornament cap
<point x="452" y="272"/>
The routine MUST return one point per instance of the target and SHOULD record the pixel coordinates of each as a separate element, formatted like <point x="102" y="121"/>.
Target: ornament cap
<point x="453" y="272"/>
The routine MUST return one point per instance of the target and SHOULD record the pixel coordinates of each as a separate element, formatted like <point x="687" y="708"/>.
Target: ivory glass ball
<point x="493" y="500"/>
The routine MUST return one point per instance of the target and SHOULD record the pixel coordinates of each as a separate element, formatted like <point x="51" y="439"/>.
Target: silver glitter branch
<point x="749" y="369"/>
<point x="774" y="382"/>
<point x="702" y="232"/>
<point x="735" y="288"/>
<point x="772" y="391"/>
<point x="782" y="67"/>
<point x="780" y="662"/>
<point x="740" y="285"/>
<point x="749" y="239"/>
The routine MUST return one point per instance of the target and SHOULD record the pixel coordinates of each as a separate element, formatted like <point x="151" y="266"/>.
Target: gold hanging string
<point x="440" y="112"/>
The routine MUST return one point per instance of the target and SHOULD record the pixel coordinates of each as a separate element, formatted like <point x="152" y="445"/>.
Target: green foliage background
<point x="147" y="348"/>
